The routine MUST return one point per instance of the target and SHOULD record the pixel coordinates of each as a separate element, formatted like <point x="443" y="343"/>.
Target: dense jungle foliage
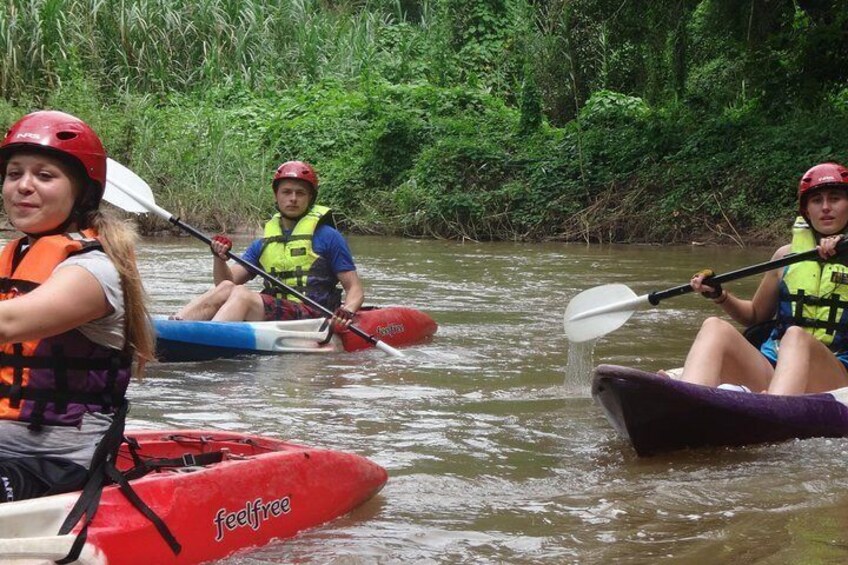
<point x="609" y="120"/>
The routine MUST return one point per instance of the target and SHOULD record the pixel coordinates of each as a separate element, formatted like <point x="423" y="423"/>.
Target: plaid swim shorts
<point x="277" y="309"/>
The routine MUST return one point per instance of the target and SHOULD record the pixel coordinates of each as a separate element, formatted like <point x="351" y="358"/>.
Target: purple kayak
<point x="659" y="414"/>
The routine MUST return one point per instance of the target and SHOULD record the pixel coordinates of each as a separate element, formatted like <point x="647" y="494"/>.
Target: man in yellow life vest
<point x="300" y="247"/>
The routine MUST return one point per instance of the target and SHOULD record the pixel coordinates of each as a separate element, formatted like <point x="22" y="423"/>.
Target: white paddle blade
<point x="600" y="310"/>
<point x="121" y="184"/>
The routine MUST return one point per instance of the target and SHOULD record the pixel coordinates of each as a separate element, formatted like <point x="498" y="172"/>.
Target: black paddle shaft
<point x="271" y="279"/>
<point x="655" y="297"/>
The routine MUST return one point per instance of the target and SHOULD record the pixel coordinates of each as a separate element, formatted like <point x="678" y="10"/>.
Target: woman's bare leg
<point x="720" y="354"/>
<point x="804" y="364"/>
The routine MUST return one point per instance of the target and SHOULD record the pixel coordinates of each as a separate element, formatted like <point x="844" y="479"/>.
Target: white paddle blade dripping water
<point x="600" y="310"/>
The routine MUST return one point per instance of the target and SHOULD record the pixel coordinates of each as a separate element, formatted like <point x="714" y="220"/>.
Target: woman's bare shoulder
<point x="782" y="252"/>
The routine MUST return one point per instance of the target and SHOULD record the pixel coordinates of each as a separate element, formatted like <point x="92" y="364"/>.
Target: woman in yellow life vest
<point x="300" y="247"/>
<point x="808" y="349"/>
<point x="72" y="314"/>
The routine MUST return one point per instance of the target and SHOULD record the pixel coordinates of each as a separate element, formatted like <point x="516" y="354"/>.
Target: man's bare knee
<point x="242" y="294"/>
<point x="226" y="286"/>
<point x="223" y="290"/>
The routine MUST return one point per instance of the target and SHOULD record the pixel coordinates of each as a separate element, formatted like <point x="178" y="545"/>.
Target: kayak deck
<point x="656" y="413"/>
<point x="263" y="489"/>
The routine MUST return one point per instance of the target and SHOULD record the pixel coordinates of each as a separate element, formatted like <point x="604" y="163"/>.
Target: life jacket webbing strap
<point x="15" y="392"/>
<point x="60" y="376"/>
<point x="297" y="272"/>
<point x="7" y="284"/>
<point x="50" y="395"/>
<point x="111" y="380"/>
<point x="19" y="361"/>
<point x="833" y="302"/>
<point x="273" y="290"/>
<point x="810" y="323"/>
<point x="284" y="239"/>
<point x="20" y="251"/>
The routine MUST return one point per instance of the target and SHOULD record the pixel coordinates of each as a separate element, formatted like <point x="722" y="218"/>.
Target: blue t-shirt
<point x="326" y="242"/>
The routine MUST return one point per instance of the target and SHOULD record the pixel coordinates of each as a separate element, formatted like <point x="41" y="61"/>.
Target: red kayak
<point x="261" y="490"/>
<point x="180" y="340"/>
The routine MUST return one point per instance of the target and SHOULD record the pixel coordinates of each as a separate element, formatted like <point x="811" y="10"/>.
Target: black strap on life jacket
<point x="834" y="302"/>
<point x="103" y="471"/>
<point x="60" y="395"/>
<point x="298" y="274"/>
<point x="22" y="286"/>
<point x="20" y="250"/>
<point x="20" y="361"/>
<point x="15" y="390"/>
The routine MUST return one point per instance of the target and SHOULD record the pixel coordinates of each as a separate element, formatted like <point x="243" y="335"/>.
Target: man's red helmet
<point x="296" y="170"/>
<point x="64" y="135"/>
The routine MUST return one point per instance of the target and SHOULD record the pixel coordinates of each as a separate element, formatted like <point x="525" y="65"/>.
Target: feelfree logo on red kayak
<point x="391" y="329"/>
<point x="254" y="513"/>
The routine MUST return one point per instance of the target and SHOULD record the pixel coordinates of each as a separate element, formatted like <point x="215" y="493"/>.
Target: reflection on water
<point x="495" y="451"/>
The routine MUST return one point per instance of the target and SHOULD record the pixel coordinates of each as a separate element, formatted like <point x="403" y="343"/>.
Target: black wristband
<point x="716" y="293"/>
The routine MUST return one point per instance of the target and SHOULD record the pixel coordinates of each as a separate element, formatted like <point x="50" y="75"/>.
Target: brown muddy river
<point x="496" y="452"/>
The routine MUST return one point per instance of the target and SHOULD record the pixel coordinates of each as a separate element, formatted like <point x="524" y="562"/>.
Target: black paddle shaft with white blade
<point x="600" y="310"/>
<point x="121" y="183"/>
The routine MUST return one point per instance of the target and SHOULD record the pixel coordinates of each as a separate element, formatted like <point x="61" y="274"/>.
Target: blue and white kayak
<point x="180" y="340"/>
<point x="656" y="413"/>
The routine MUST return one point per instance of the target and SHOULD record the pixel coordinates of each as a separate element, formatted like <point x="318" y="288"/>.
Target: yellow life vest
<point x="814" y="294"/>
<point x="291" y="259"/>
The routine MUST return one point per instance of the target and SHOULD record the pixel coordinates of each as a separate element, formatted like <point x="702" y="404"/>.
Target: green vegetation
<point x="487" y="119"/>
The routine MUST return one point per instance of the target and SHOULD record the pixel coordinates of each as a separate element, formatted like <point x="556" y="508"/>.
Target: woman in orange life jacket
<point x="808" y="349"/>
<point x="72" y="312"/>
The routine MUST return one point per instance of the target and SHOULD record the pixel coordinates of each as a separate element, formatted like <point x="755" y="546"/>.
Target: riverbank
<point x="392" y="162"/>
<point x="457" y="119"/>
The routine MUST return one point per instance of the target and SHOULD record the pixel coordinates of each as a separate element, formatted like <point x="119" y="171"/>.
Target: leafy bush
<point x="607" y="107"/>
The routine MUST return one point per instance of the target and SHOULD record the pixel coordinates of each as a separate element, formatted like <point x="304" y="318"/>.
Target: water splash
<point x="578" y="367"/>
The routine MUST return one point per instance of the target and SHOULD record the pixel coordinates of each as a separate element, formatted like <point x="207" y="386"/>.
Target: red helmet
<point x="60" y="133"/>
<point x="296" y="170"/>
<point x="821" y="176"/>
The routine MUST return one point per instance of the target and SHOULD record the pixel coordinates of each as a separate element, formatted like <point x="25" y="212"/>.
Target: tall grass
<point x="181" y="45"/>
